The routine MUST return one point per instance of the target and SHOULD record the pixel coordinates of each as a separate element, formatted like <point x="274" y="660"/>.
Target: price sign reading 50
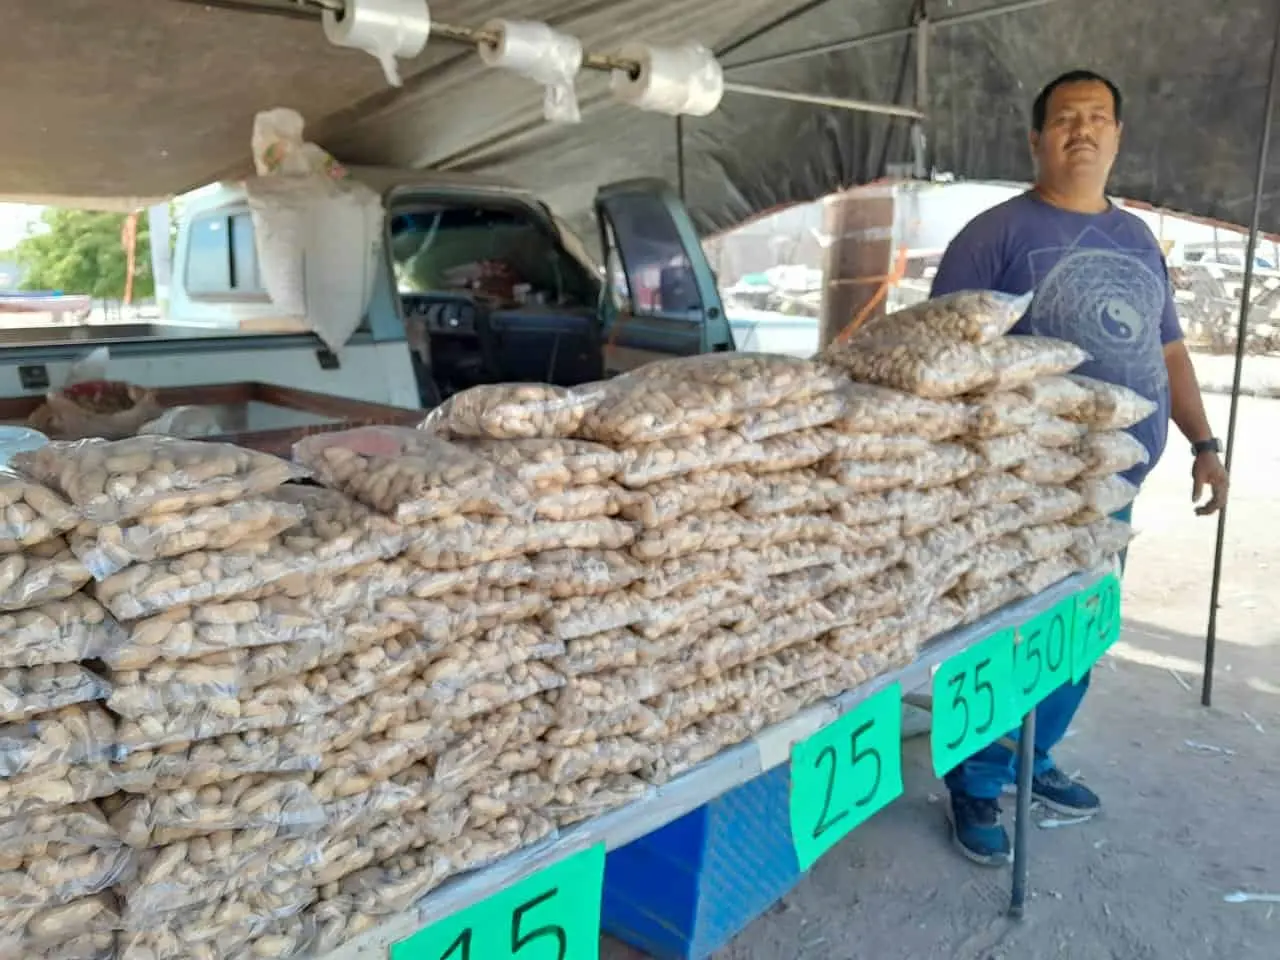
<point x="1042" y="655"/>
<point x="552" y="915"/>
<point x="844" y="773"/>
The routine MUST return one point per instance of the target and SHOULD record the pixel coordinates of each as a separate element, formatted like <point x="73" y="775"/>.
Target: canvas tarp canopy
<point x="128" y="99"/>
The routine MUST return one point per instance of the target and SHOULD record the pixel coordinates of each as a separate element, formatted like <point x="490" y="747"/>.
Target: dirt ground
<point x="1191" y="795"/>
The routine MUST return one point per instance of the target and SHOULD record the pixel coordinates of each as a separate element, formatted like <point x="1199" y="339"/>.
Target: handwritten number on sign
<point x="980" y="686"/>
<point x="959" y="702"/>
<point x="823" y="825"/>
<point x="461" y="947"/>
<point x="856" y="757"/>
<point x="519" y="941"/>
<point x="1032" y="652"/>
<point x="844" y="773"/>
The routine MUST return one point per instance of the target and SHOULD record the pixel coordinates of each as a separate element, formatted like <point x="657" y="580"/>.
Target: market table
<point x="722" y="831"/>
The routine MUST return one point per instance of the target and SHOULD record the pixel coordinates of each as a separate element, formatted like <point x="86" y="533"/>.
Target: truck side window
<point x="221" y="256"/>
<point x="660" y="277"/>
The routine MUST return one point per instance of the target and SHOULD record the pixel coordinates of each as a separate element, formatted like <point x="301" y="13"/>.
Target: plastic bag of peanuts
<point x="108" y="548"/>
<point x="30" y="513"/>
<point x="81" y="929"/>
<point x="788" y="417"/>
<point x="1059" y="396"/>
<point x="550" y="464"/>
<point x="113" y="480"/>
<point x="882" y="410"/>
<point x="903" y="359"/>
<point x="1110" y="406"/>
<point x="691" y="395"/>
<point x="974" y="316"/>
<point x="1103" y="496"/>
<point x="1110" y="451"/>
<point x="411" y="476"/>
<point x="510" y="411"/>
<point x="662" y="503"/>
<point x="60" y="631"/>
<point x="27" y="691"/>
<point x="1018" y="360"/>
<point x="42" y="573"/>
<point x="79" y="734"/>
<point x="284" y="803"/>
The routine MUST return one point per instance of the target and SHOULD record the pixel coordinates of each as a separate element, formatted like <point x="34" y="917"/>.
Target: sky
<point x="15" y="218"/>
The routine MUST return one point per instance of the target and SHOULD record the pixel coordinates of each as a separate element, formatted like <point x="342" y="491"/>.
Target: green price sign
<point x="1042" y="655"/>
<point x="552" y="915"/>
<point x="973" y="701"/>
<point x="844" y="773"/>
<point x="1097" y="624"/>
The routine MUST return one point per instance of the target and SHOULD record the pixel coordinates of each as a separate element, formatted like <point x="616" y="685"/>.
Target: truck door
<point x="661" y="299"/>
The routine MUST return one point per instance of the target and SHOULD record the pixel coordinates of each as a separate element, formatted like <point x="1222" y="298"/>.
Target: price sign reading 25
<point x="973" y="701"/>
<point x="552" y="915"/>
<point x="844" y="773"/>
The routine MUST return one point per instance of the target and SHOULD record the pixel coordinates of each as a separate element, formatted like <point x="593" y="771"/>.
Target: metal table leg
<point x="1022" y="826"/>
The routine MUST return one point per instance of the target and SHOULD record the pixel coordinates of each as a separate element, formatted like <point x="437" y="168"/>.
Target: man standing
<point x="1100" y="281"/>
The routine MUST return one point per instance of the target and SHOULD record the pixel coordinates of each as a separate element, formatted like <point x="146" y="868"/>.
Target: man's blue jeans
<point x="985" y="774"/>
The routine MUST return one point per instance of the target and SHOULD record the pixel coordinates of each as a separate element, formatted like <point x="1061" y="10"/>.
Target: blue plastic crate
<point x="686" y="890"/>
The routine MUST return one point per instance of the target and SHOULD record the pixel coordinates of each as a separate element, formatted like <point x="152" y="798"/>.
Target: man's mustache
<point x="1081" y="142"/>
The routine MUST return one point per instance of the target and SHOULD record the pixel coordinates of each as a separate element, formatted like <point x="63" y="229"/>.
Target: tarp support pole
<point x="680" y="158"/>
<point x="822" y="100"/>
<point x="1242" y="332"/>
<point x="894" y="33"/>
<point x="919" y="142"/>
<point x="1026" y="761"/>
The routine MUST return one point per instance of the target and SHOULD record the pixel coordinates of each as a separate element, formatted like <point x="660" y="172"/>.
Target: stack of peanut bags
<point x="238" y="673"/>
<point x="484" y="540"/>
<point x="1049" y="446"/>
<point x="57" y="853"/>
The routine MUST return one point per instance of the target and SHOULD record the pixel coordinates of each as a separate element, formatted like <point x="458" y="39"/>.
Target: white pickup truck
<point x="472" y="282"/>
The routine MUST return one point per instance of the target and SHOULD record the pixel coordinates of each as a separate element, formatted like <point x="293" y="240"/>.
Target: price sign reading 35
<point x="552" y="915"/>
<point x="844" y="773"/>
<point x="973" y="701"/>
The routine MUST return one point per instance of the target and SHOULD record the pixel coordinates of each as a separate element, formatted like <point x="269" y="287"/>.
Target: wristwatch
<point x="1206" y="446"/>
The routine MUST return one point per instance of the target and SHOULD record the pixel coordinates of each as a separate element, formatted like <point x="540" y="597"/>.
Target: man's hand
<point x="1207" y="470"/>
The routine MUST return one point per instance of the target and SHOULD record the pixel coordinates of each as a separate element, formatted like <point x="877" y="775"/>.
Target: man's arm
<point x="1186" y="409"/>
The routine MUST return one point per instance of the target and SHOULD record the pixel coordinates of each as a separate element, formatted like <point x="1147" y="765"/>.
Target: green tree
<point x="80" y="251"/>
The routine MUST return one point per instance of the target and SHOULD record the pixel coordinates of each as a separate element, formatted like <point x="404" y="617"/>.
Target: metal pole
<point x="892" y="34"/>
<point x="680" y="157"/>
<point x="1264" y="149"/>
<point x="821" y="100"/>
<point x="1022" y="825"/>
<point x="919" y="145"/>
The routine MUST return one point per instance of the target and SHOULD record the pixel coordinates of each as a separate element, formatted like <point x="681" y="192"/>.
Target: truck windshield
<point x="502" y="252"/>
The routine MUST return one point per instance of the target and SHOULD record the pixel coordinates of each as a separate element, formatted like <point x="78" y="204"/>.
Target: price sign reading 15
<point x="844" y="773"/>
<point x="552" y="915"/>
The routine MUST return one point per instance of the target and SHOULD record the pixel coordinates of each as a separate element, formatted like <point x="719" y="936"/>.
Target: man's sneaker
<point x="976" y="830"/>
<point x="1061" y="794"/>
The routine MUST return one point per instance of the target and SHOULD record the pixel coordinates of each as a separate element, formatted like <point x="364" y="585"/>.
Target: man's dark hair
<point x="1041" y="106"/>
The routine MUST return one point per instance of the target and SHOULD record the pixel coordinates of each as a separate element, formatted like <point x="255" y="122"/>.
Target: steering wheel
<point x="457" y="314"/>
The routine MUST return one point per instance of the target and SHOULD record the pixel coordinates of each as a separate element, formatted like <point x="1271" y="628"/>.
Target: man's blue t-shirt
<point x="1100" y="281"/>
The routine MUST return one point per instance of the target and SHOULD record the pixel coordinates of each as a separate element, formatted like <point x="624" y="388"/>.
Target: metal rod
<point x="894" y="33"/>
<point x="680" y="157"/>
<point x="1264" y="149"/>
<point x="768" y="28"/>
<point x="1022" y="825"/>
<point x="919" y="136"/>
<point x="821" y="100"/>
